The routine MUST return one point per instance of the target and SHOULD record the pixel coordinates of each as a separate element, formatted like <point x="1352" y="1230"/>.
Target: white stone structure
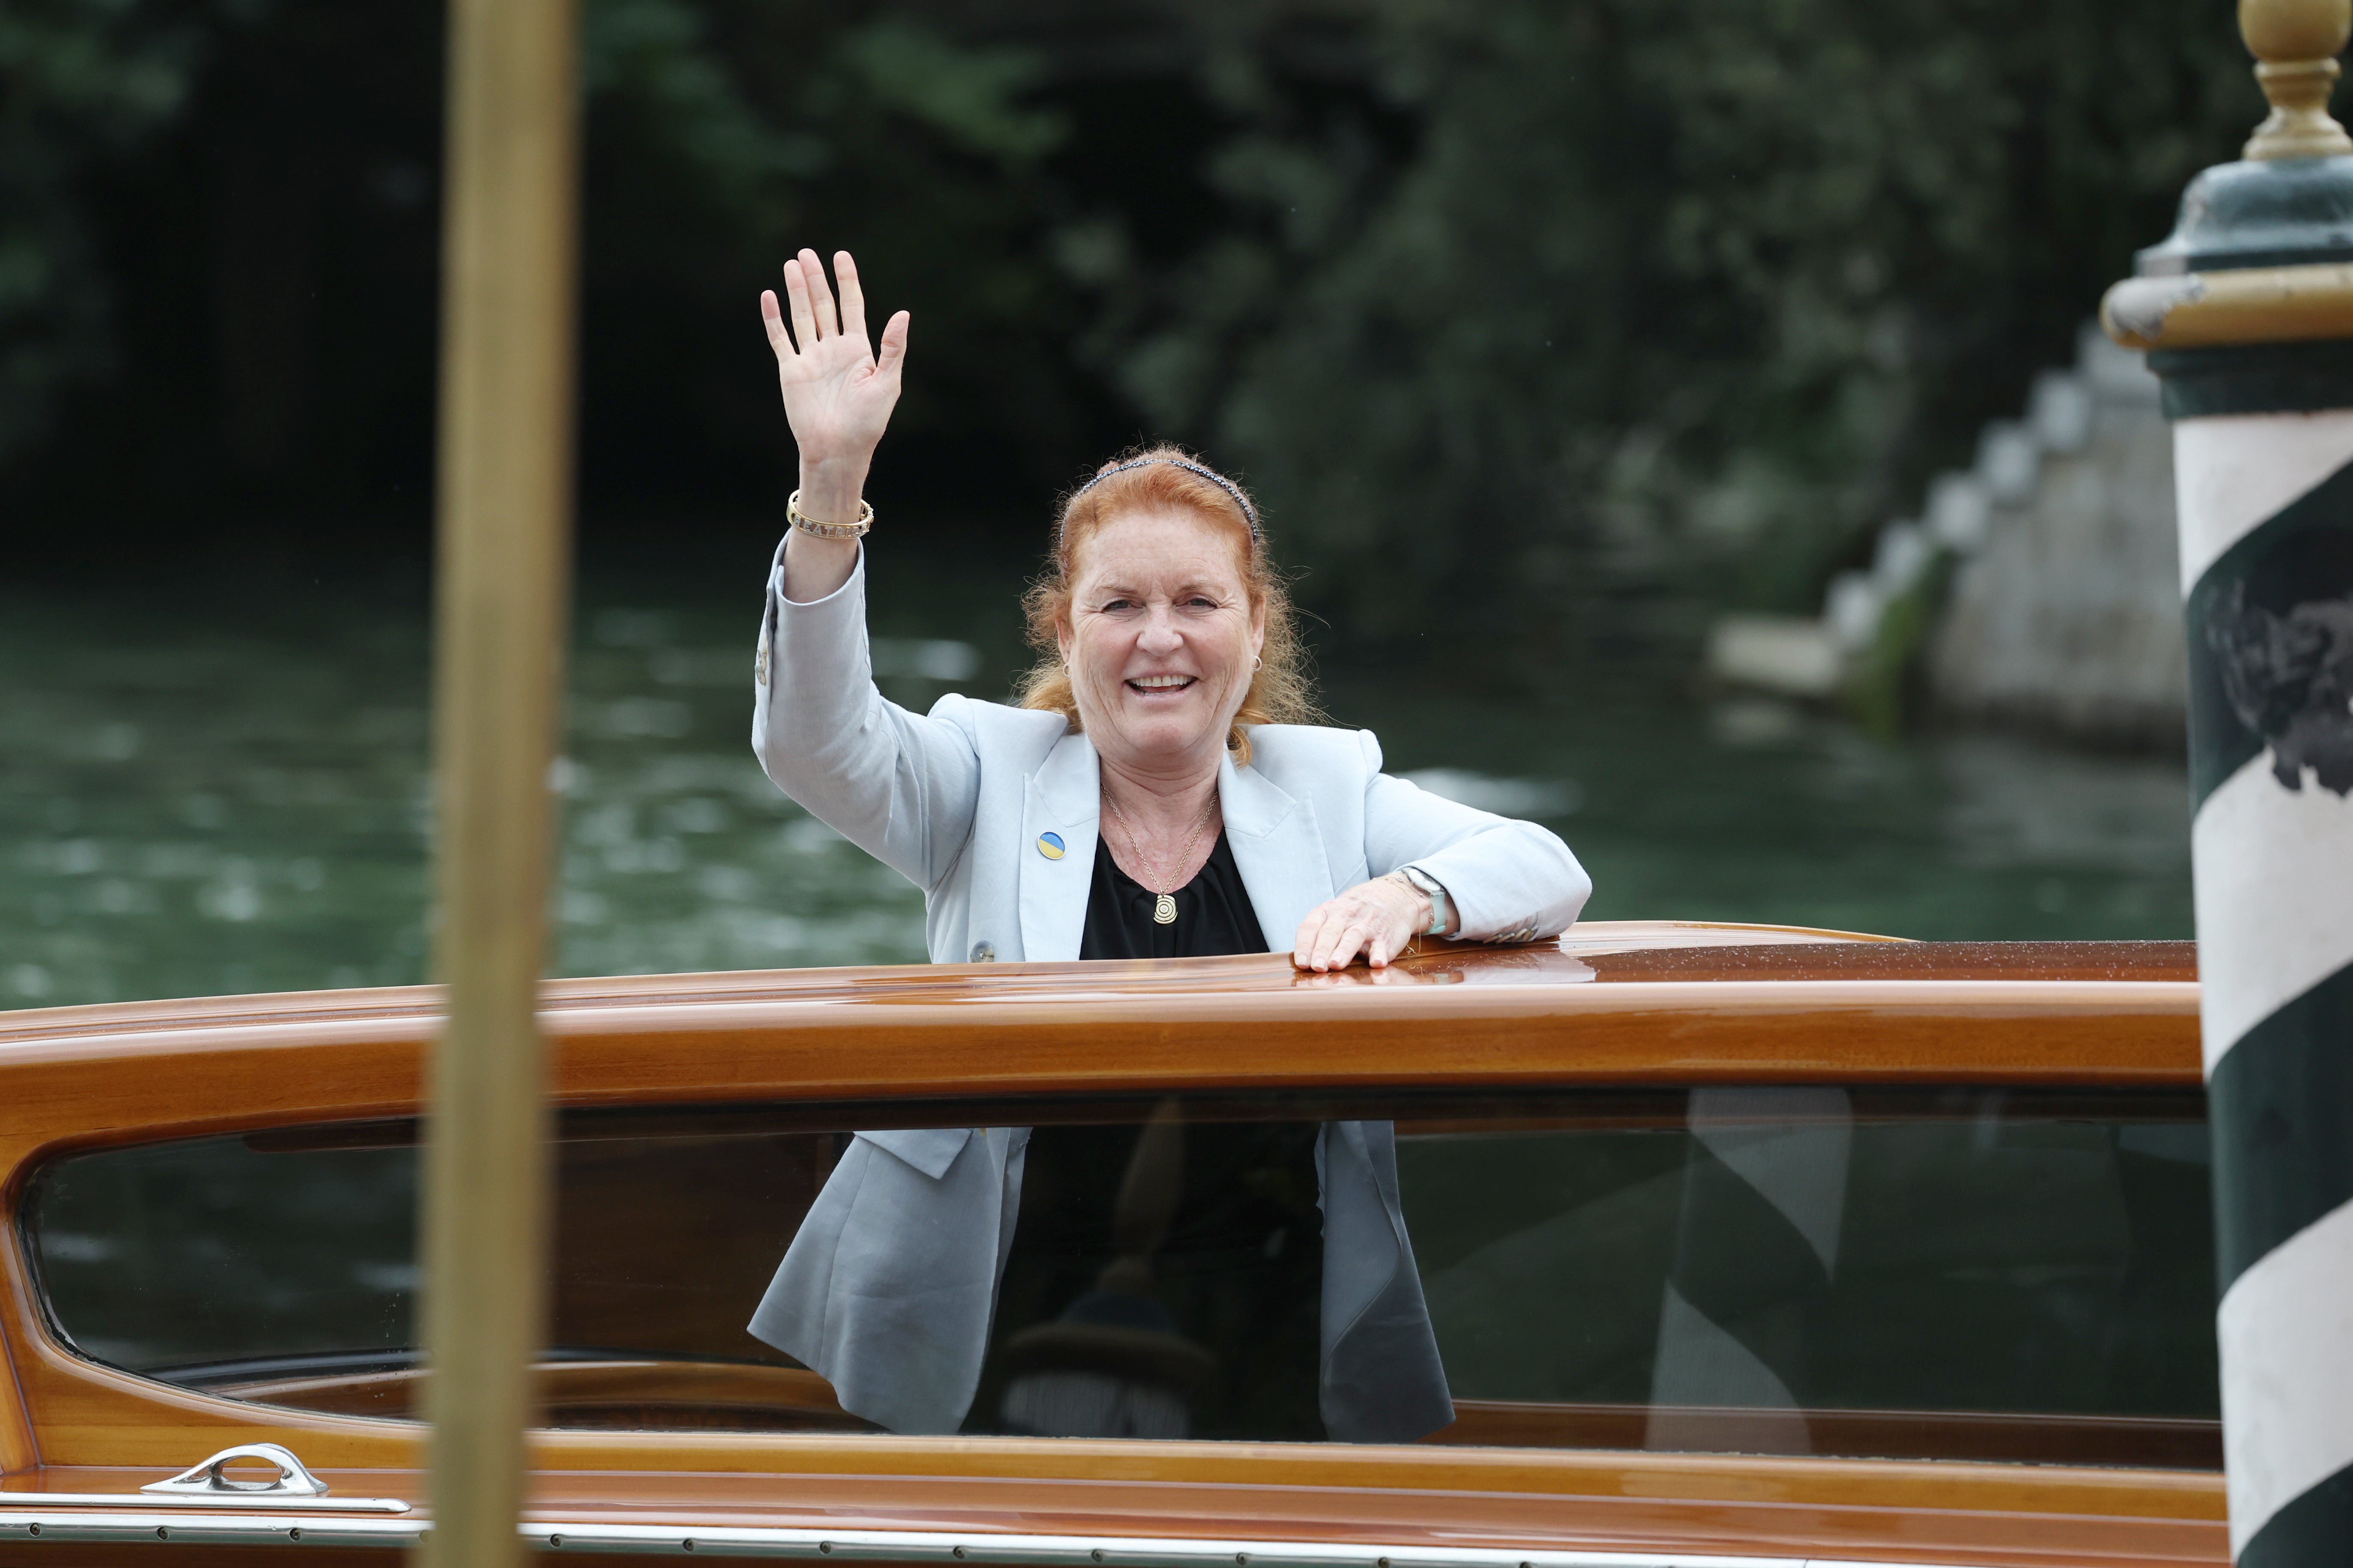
<point x="2068" y="614"/>
<point x="2064" y="612"/>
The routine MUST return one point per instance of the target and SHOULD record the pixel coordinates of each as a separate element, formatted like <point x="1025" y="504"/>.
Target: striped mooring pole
<point x="2247" y="313"/>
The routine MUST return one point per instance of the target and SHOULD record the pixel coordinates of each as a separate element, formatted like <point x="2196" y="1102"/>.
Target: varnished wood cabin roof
<point x="1607" y="952"/>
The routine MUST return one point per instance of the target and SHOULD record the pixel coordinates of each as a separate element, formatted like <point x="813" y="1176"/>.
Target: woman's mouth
<point x="1151" y="684"/>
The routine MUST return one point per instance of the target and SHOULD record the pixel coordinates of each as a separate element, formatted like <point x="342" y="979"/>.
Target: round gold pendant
<point x="1164" y="910"/>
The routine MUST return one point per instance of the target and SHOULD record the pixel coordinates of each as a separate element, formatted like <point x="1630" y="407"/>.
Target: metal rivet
<point x="687" y="1544"/>
<point x="1241" y="1557"/>
<point x="555" y="1540"/>
<point x="958" y="1550"/>
<point x="825" y="1546"/>
<point x="33" y="1529"/>
<point x="1097" y="1555"/>
<point x="295" y="1534"/>
<point x="162" y="1533"/>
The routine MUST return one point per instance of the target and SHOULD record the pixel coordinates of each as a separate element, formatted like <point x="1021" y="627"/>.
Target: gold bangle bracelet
<point x="815" y="529"/>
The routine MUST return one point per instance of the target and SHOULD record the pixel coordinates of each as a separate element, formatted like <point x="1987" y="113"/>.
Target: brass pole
<point x="502" y="597"/>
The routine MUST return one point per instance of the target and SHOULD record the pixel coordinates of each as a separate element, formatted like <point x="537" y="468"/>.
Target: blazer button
<point x="983" y="953"/>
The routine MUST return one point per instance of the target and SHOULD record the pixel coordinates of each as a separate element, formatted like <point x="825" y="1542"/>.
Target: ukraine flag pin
<point x="1049" y="845"/>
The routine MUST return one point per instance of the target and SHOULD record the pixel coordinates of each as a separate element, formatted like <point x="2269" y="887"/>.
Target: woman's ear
<point x="1062" y="639"/>
<point x="1258" y="629"/>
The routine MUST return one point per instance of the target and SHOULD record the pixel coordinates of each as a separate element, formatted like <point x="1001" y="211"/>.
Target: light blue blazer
<point x="890" y="1286"/>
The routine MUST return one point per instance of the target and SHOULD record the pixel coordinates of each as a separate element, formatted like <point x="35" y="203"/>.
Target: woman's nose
<point x="1160" y="633"/>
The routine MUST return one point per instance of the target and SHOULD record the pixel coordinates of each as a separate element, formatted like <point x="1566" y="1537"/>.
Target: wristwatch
<point x="1441" y="915"/>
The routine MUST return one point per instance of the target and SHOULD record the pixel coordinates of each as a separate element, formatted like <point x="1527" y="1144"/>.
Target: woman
<point x="1156" y="793"/>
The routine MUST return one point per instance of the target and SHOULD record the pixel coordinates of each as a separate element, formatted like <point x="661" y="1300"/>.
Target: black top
<point x="1211" y="1330"/>
<point x="1213" y="912"/>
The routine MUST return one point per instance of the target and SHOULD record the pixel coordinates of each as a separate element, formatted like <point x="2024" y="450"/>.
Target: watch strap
<point x="1441" y="915"/>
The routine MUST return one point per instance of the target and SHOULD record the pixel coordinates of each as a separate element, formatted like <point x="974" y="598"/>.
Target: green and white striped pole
<point x="2247" y="311"/>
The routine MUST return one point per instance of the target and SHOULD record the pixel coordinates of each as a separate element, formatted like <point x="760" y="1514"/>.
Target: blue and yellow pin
<point x="1049" y="845"/>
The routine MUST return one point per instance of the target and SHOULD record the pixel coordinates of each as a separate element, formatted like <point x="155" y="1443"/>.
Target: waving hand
<point x="838" y="392"/>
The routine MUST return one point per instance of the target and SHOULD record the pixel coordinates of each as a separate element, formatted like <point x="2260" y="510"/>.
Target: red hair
<point x="1165" y="479"/>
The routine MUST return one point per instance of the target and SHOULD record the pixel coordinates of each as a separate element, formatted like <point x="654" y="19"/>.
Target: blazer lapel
<point x="1063" y="797"/>
<point x="1277" y="848"/>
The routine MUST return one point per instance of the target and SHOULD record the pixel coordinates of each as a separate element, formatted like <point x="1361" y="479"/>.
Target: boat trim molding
<point x="223" y="1502"/>
<point x="858" y="1546"/>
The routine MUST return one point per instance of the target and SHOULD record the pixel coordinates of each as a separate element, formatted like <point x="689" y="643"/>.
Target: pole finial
<point x="2296" y="43"/>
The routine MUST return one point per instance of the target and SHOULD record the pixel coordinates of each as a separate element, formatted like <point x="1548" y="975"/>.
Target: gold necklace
<point x="1164" y="908"/>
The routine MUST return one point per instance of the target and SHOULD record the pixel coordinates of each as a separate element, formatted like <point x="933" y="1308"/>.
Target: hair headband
<point x="1249" y="512"/>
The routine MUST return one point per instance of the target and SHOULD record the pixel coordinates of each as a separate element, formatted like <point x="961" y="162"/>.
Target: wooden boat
<point x="694" y="1111"/>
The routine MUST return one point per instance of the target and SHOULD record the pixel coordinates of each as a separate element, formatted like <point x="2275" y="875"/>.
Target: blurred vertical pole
<point x="500" y="604"/>
<point x="2247" y="311"/>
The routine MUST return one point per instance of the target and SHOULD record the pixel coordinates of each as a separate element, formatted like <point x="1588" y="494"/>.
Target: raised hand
<point x="838" y="392"/>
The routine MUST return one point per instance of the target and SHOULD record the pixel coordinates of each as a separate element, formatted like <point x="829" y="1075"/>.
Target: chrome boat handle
<point x="206" y="1488"/>
<point x="206" y="1479"/>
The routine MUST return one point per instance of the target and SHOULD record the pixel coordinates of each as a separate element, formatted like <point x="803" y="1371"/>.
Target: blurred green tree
<point x="1535" y="320"/>
<point x="725" y="134"/>
<point x="81" y="82"/>
<point x="217" y="237"/>
<point x="1685" y="295"/>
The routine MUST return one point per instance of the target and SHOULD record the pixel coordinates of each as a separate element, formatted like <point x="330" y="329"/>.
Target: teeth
<point x="1160" y="683"/>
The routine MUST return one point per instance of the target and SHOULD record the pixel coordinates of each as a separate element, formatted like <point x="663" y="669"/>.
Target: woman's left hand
<point x="1376" y="918"/>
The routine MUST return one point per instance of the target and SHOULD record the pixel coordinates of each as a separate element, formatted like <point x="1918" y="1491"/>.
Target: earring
<point x="1256" y="664"/>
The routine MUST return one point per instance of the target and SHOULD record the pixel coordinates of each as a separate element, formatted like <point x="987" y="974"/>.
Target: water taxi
<point x="1742" y="1245"/>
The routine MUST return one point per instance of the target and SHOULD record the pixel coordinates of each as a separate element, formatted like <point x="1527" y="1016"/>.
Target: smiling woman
<point x="1164" y="744"/>
<point x="1158" y="588"/>
<point x="1161" y="793"/>
<point x="1158" y="493"/>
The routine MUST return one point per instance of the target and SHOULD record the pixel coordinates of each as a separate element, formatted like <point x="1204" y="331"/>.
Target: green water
<point x="208" y="789"/>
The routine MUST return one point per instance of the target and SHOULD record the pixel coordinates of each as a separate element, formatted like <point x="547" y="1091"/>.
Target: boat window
<point x="1976" y="1273"/>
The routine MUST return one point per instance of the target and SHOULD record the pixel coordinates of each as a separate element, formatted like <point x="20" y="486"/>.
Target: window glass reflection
<point x="1164" y="1282"/>
<point x="1968" y="1273"/>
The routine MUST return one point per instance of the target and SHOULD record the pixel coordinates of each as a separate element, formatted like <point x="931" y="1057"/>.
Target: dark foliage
<point x="1523" y="316"/>
<point x="1568" y="301"/>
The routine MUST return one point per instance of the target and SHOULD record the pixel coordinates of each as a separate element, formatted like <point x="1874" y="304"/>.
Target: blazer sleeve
<point x="1509" y="882"/>
<point x="901" y="786"/>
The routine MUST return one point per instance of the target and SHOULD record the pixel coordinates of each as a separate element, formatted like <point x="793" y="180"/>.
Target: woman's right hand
<point x="838" y="392"/>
